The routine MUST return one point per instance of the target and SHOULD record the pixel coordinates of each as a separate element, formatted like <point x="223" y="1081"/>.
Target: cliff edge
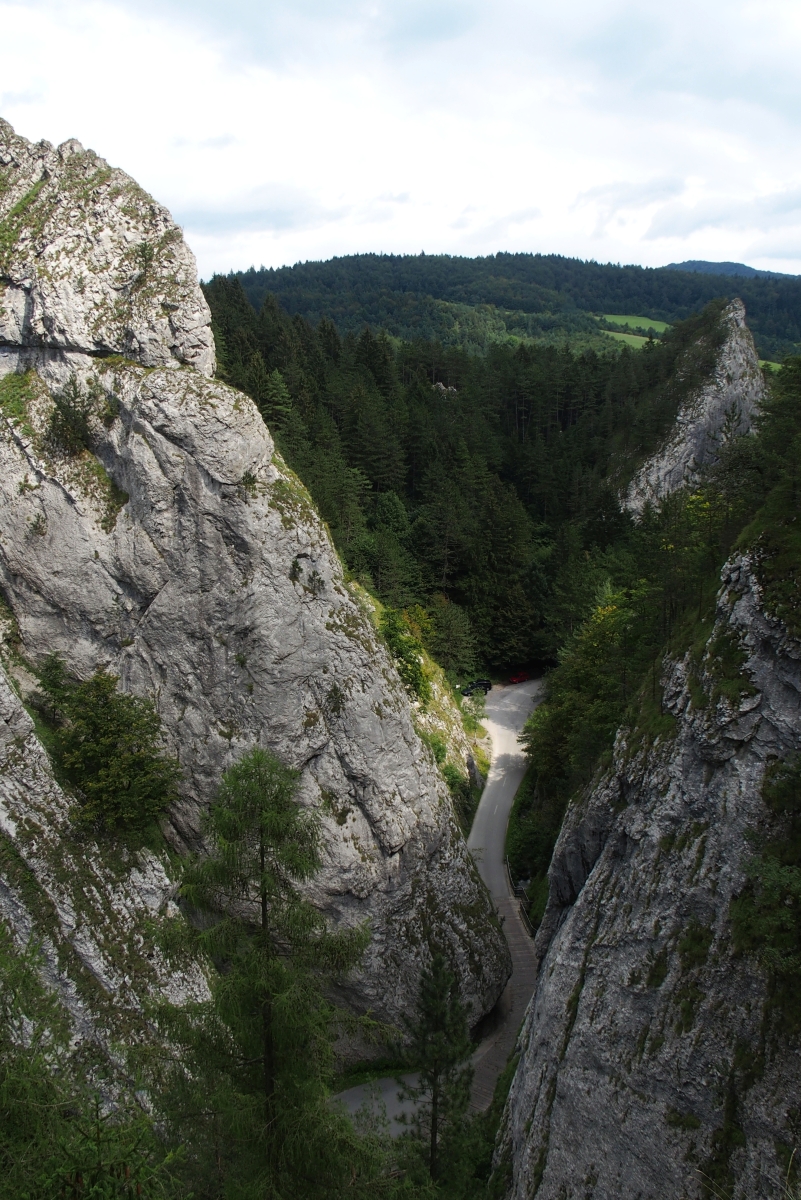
<point x="655" y="1059"/>
<point x="176" y="549"/>
<point x="722" y="409"/>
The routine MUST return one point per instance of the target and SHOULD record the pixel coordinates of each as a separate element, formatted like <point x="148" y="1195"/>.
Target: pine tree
<point x="268" y="1059"/>
<point x="439" y="1047"/>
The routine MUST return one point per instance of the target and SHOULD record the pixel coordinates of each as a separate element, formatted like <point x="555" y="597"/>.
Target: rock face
<point x="724" y="408"/>
<point x="90" y="264"/>
<point x="182" y="554"/>
<point x="650" y="1051"/>
<point x="96" y="925"/>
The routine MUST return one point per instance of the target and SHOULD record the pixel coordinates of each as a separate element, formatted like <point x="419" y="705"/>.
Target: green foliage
<point x="70" y="430"/>
<point x="534" y="825"/>
<point x="439" y="1047"/>
<point x="15" y="395"/>
<point x="450" y="639"/>
<point x="773" y="479"/>
<point x="261" y="1061"/>
<point x="407" y="653"/>
<point x="56" y="1138"/>
<point x="447" y="298"/>
<point x="657" y="970"/>
<point x="106" y="746"/>
<point x="472" y="489"/>
<point x="766" y="917"/>
<point x="694" y="945"/>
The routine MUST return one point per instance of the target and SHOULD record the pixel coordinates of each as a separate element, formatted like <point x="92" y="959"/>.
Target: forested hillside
<point x="457" y="300"/>
<point x="471" y="492"/>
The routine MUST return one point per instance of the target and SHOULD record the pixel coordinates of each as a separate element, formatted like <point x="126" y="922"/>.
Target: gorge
<point x="305" y="540"/>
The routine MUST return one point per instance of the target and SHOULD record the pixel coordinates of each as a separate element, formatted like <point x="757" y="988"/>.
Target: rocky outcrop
<point x="724" y="408"/>
<point x="652" y="1055"/>
<point x="92" y="265"/>
<point x="179" y="551"/>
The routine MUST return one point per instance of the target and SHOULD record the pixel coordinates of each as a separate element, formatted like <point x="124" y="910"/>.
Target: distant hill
<point x="539" y="296"/>
<point x="700" y="267"/>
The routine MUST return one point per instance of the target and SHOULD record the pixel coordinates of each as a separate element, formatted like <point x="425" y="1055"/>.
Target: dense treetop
<point x="463" y="489"/>
<point x="414" y="295"/>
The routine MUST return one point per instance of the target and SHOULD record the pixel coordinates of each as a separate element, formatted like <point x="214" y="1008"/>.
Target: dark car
<point x="519" y="677"/>
<point x="477" y="685"/>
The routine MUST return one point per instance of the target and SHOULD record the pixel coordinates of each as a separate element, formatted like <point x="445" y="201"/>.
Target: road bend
<point x="507" y="708"/>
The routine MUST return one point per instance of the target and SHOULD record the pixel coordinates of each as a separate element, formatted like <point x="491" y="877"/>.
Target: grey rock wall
<point x="90" y="264"/>
<point x="637" y="1062"/>
<point x="724" y="408"/>
<point x="184" y="555"/>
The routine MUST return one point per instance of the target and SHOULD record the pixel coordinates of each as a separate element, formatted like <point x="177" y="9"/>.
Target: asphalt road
<point x="506" y="708"/>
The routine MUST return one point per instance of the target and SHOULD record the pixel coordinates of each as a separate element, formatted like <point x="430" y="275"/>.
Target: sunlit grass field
<point x="644" y="323"/>
<point x="630" y="339"/>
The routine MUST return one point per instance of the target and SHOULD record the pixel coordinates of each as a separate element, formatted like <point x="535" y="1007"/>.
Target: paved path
<point x="507" y="708"/>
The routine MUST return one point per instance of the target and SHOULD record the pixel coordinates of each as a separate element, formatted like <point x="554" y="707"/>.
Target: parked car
<point x="477" y="685"/>
<point x="519" y="677"/>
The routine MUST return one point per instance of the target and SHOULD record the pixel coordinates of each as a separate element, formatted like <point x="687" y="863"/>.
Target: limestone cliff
<point x="179" y="551"/>
<point x="651" y="1052"/>
<point x="723" y="408"/>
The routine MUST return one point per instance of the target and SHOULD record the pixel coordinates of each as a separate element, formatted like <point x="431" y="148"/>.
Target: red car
<point x="520" y="677"/>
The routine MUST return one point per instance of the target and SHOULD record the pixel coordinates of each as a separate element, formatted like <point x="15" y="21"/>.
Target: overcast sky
<point x="284" y="130"/>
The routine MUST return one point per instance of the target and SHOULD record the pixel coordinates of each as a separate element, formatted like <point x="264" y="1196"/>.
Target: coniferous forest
<point x="469" y="490"/>
<point x="477" y="301"/>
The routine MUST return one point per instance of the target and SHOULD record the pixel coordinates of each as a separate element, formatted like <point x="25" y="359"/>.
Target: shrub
<point x="69" y="421"/>
<point x="766" y="916"/>
<point x="407" y="652"/>
<point x="107" y="746"/>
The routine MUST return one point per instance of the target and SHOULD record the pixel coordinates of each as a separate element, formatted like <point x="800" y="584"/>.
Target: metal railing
<point x="521" y="895"/>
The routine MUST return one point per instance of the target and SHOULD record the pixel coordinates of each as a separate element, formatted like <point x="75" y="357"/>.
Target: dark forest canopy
<point x="469" y="491"/>
<point x="404" y="294"/>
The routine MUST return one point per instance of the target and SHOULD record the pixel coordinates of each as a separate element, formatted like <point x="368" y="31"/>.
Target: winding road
<point x="506" y="708"/>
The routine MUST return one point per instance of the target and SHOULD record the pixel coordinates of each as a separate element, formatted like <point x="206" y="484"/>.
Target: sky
<point x="279" y="131"/>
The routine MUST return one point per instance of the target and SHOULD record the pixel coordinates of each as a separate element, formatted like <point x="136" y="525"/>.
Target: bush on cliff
<point x="107" y="747"/>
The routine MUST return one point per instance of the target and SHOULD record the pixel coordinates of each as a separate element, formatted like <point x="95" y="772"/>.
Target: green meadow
<point x="644" y="323"/>
<point x="631" y="339"/>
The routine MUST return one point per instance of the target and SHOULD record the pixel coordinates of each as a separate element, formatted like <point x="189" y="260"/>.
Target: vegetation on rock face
<point x="57" y="1136"/>
<point x="69" y="430"/>
<point x="656" y="586"/>
<point x="766" y="917"/>
<point x="106" y="745"/>
<point x="407" y="653"/>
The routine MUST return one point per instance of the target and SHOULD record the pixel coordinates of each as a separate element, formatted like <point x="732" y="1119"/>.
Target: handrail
<point x="517" y="891"/>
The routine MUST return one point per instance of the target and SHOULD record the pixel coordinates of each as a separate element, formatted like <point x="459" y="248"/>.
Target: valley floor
<point x="507" y="709"/>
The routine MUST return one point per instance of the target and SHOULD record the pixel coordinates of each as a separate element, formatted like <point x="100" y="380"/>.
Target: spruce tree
<point x="264" y="1057"/>
<point x="439" y="1047"/>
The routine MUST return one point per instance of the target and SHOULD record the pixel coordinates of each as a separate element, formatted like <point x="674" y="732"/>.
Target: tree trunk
<point x="268" y="1059"/>
<point x="432" y="1157"/>
<point x="268" y="1049"/>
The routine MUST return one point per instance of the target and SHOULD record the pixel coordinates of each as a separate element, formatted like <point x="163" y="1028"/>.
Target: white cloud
<point x="281" y="130"/>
